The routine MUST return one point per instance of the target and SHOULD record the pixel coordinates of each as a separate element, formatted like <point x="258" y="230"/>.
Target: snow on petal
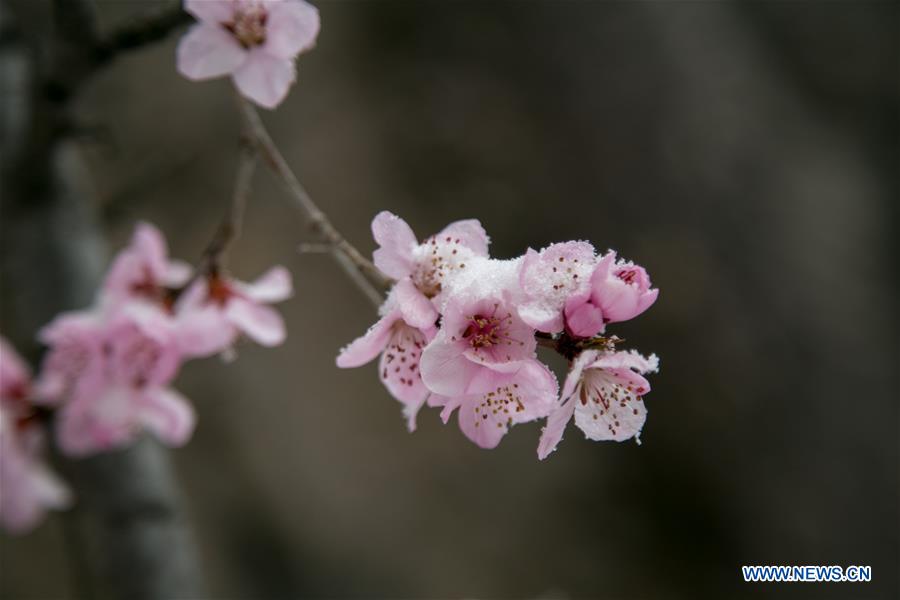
<point x="469" y="233"/>
<point x="621" y="289"/>
<point x="549" y="278"/>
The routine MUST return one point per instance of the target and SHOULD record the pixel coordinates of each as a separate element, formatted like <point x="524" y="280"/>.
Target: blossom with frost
<point x="480" y="335"/>
<point x="28" y="488"/>
<point x="432" y="265"/>
<point x="549" y="278"/>
<point x="604" y="390"/>
<point x="496" y="400"/>
<point x="231" y="307"/>
<point x="619" y="291"/>
<point x="254" y="41"/>
<point x="423" y="272"/>
<point x="110" y="376"/>
<point x="399" y="337"/>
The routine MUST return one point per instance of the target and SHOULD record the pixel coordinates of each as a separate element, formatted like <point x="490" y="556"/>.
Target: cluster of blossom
<point x="459" y="330"/>
<point x="254" y="41"/>
<point x="108" y="370"/>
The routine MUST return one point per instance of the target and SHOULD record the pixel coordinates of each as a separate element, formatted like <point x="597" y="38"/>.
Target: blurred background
<point x="745" y="153"/>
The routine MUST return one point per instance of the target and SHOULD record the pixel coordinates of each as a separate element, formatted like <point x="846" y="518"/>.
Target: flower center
<point x="483" y="332"/>
<point x="627" y="275"/>
<point x="219" y="290"/>
<point x="249" y="26"/>
<point x="437" y="260"/>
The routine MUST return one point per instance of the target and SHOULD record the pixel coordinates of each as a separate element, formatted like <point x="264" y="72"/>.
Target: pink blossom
<point x="497" y="400"/>
<point x="110" y="376"/>
<point x="432" y="265"/>
<point x="619" y="291"/>
<point x="549" y="277"/>
<point x="399" y="338"/>
<point x="480" y="331"/>
<point x="604" y="390"/>
<point x="143" y="271"/>
<point x="230" y="307"/>
<point x="254" y="41"/>
<point x="27" y="487"/>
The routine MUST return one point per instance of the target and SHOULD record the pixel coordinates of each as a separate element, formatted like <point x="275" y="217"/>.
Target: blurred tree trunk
<point x="128" y="528"/>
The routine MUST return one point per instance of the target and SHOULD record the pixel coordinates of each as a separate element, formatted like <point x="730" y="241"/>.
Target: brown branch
<point x="360" y="270"/>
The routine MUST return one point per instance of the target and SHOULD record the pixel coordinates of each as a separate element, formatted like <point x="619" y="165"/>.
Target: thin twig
<point x="361" y="270"/>
<point x="230" y="228"/>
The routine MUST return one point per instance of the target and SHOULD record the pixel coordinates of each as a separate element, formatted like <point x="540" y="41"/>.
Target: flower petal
<point x="394" y="258"/>
<point x="399" y="369"/>
<point x="261" y="323"/>
<point x="208" y="51"/>
<point x="575" y="371"/>
<point x="552" y="432"/>
<point x="370" y="345"/>
<point x="470" y="234"/>
<point x="211" y="11"/>
<point x="445" y="368"/>
<point x="583" y="319"/>
<point x="168" y="415"/>
<point x="203" y="330"/>
<point x="265" y="79"/>
<point x="291" y="28"/>
<point x="417" y="310"/>
<point x="485" y="427"/>
<point x="551" y="277"/>
<point x="609" y="404"/>
<point x="273" y="286"/>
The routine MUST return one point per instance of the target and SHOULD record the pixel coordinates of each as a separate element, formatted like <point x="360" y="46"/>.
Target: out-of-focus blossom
<point x="497" y="400"/>
<point x="27" y="486"/>
<point x="549" y="277"/>
<point x="109" y="376"/>
<point x="619" y="291"/>
<point x="604" y="390"/>
<point x="254" y="41"/>
<point x="15" y="376"/>
<point x="399" y="337"/>
<point x="230" y="307"/>
<point x="143" y="271"/>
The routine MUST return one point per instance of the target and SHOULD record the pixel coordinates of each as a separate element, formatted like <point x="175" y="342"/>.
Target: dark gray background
<point x="746" y="154"/>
